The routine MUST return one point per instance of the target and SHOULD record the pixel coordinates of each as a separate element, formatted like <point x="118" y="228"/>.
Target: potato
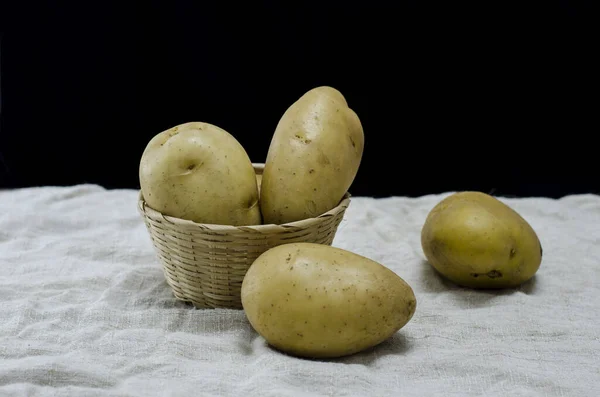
<point x="314" y="300"/>
<point x="199" y="172"/>
<point x="313" y="157"/>
<point x="477" y="241"/>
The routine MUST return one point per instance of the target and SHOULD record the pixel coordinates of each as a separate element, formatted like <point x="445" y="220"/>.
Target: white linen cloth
<point x="85" y="310"/>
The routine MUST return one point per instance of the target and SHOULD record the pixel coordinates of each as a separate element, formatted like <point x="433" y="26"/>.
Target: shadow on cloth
<point x="433" y="282"/>
<point x="396" y="345"/>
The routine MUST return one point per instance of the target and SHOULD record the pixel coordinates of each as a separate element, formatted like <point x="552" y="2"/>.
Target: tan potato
<point x="314" y="300"/>
<point x="313" y="157"/>
<point x="200" y="172"/>
<point x="477" y="241"/>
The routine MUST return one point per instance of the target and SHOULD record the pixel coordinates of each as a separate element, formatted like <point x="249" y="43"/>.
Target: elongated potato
<point x="313" y="157"/>
<point x="198" y="171"/>
<point x="315" y="300"/>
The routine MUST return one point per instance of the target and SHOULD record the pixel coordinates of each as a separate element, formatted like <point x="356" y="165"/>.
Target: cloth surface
<point x="85" y="310"/>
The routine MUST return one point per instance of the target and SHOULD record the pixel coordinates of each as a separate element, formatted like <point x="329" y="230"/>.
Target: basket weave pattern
<point x="206" y="264"/>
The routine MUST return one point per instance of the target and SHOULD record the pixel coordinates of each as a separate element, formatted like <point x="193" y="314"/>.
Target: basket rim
<point x="148" y="211"/>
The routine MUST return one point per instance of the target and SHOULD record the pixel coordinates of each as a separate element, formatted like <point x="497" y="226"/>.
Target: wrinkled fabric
<point x="85" y="310"/>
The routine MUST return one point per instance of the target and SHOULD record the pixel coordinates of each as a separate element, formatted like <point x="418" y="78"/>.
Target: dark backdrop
<point x="488" y="97"/>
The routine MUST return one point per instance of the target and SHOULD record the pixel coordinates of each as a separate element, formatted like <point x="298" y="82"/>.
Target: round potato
<point x="314" y="300"/>
<point x="313" y="157"/>
<point x="199" y="172"/>
<point x="475" y="240"/>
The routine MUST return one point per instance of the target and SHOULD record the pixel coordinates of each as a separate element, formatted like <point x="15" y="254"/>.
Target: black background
<point x="491" y="96"/>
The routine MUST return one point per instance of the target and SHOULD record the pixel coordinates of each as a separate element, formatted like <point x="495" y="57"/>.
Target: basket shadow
<point x="434" y="282"/>
<point x="397" y="345"/>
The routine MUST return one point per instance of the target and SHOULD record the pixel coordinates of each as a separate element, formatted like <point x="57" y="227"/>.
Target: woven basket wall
<point x="205" y="264"/>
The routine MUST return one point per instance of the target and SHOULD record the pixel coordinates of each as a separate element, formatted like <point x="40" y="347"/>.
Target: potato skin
<point x="313" y="300"/>
<point x="199" y="172"/>
<point x="313" y="157"/>
<point x="475" y="240"/>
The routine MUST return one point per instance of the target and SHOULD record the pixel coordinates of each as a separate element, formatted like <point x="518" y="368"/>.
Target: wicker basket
<point x="206" y="264"/>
